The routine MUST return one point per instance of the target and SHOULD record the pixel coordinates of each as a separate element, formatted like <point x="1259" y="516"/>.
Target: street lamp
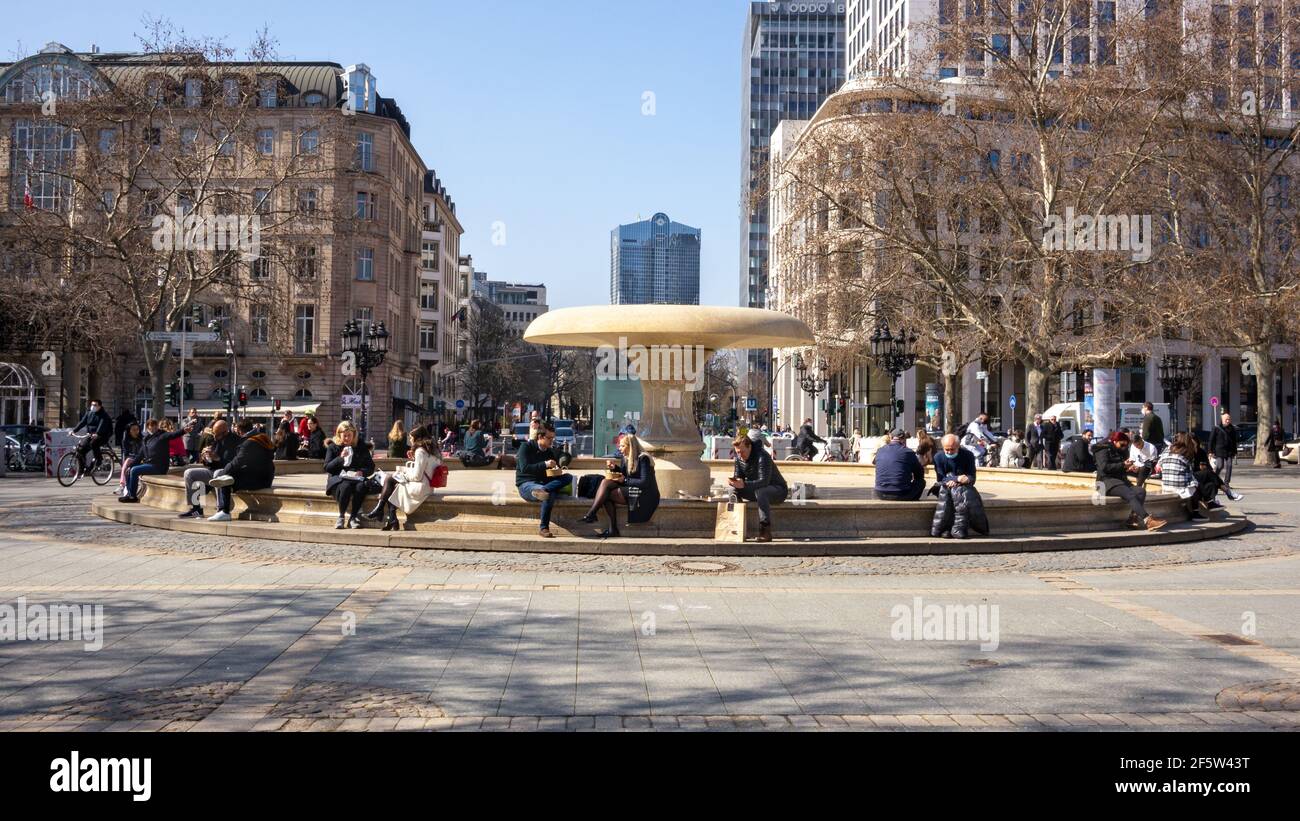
<point x="812" y="383"/>
<point x="368" y="351"/>
<point x="1176" y="374"/>
<point x="895" y="355"/>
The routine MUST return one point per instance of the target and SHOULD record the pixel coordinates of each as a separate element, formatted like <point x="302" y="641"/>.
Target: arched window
<point x="258" y="393"/>
<point x="302" y="394"/>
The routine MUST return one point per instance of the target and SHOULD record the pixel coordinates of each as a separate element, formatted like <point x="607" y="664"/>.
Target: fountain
<point x="675" y="339"/>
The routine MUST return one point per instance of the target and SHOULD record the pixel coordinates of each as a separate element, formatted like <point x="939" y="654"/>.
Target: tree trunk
<point x="1264" y="394"/>
<point x="1035" y="391"/>
<point x="951" y="386"/>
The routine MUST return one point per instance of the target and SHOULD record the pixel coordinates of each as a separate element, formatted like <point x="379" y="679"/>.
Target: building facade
<point x="439" y="276"/>
<point x="792" y="59"/>
<point x="341" y="239"/>
<point x="654" y="262"/>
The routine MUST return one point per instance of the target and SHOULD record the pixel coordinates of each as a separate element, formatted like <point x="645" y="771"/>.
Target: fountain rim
<point x="708" y="326"/>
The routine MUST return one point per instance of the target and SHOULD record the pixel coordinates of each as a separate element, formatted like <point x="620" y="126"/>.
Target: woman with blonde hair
<point x="349" y="463"/>
<point x="632" y="484"/>
<point x="409" y="485"/>
<point x="397" y="440"/>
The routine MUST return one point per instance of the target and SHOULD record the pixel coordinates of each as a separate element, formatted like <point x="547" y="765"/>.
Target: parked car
<point x="565" y="437"/>
<point x="519" y="435"/>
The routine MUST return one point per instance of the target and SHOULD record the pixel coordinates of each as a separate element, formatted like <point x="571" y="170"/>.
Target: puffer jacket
<point x="960" y="510"/>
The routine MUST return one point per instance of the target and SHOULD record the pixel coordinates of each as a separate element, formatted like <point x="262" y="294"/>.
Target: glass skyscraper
<point x="792" y="59"/>
<point x="654" y="262"/>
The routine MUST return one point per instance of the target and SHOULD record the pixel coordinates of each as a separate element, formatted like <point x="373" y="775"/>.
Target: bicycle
<point x="101" y="472"/>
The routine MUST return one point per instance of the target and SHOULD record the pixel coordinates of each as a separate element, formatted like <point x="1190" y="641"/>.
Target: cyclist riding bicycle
<point x="99" y="430"/>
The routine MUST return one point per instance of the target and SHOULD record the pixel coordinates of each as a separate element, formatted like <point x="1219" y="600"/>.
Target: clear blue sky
<point x="530" y="112"/>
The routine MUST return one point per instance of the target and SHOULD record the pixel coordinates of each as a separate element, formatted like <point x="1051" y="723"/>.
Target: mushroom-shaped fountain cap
<point x="711" y="327"/>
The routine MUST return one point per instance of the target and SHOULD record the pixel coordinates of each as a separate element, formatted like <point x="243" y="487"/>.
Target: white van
<point x="1073" y="418"/>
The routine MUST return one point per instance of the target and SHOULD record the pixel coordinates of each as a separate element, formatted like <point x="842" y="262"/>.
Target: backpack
<point x="588" y="485"/>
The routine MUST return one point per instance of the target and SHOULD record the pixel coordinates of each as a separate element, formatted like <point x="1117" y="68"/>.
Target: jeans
<point x="765" y="497"/>
<point x="1223" y="467"/>
<point x="1135" y="496"/>
<point x="552" y="487"/>
<point x="193" y="494"/>
<point x="133" y="478"/>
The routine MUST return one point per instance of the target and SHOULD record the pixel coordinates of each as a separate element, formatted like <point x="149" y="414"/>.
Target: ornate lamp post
<point x="367" y="351"/>
<point x="1176" y="374"/>
<point x="895" y="355"/>
<point x="814" y="382"/>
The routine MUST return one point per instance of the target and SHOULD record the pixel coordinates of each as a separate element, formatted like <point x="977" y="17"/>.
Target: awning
<point x="207" y="406"/>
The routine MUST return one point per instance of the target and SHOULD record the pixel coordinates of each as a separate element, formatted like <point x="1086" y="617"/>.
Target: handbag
<point x="438" y="478"/>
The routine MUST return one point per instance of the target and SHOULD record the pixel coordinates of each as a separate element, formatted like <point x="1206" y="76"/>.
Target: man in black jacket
<point x="899" y="474"/>
<point x="1079" y="458"/>
<point x="252" y="468"/>
<point x="1052" y="436"/>
<point x="805" y="444"/>
<point x="1153" y="427"/>
<point x="1223" y="452"/>
<point x="757" y="479"/>
<point x="1113" y="469"/>
<point x="534" y="460"/>
<point x="1035" y="440"/>
<point x="99" y="425"/>
<point x="214" y="457"/>
<point x="155" y="458"/>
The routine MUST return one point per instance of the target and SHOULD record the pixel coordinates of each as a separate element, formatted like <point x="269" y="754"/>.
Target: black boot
<point x="391" y="523"/>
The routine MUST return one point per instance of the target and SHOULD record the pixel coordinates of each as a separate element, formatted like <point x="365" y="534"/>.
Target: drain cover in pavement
<point x="1283" y="694"/>
<point x="701" y="567"/>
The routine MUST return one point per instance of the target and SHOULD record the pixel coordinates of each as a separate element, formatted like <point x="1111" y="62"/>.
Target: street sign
<point x="352" y="401"/>
<point x="751" y="403"/>
<point x="1214" y="401"/>
<point x="1012" y="401"/>
<point x="982" y="376"/>
<point x="460" y="404"/>
<point x="177" y="337"/>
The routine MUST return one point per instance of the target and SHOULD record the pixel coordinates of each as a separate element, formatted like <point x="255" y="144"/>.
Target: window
<point x="365" y="206"/>
<point x="184" y="203"/>
<point x="151" y="205"/>
<point x="313" y="99"/>
<point x="309" y="142"/>
<point x="364" y="317"/>
<point x="189" y="137"/>
<point x="41" y="156"/>
<point x="365" y="151"/>
<point x="230" y="91"/>
<point x="153" y="137"/>
<point x="268" y="92"/>
<point x="221" y="315"/>
<point x="260" y="268"/>
<point x="428" y="296"/>
<point x="428" y="337"/>
<point x="304" y="329"/>
<point x="302" y="394"/>
<point x="193" y="92"/>
<point x="305" y="262"/>
<point x="429" y="256"/>
<point x="261" y="200"/>
<point x="225" y="143"/>
<point x="307" y="200"/>
<point x="366" y="264"/>
<point x="260" y="319"/>
<point x="107" y="140"/>
<point x="266" y="141"/>
<point x="107" y="200"/>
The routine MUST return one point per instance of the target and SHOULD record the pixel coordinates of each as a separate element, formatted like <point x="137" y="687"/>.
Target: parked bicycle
<point x="71" y="468"/>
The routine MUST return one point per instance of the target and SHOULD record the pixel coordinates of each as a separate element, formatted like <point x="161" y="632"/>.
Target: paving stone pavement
<point x="204" y="633"/>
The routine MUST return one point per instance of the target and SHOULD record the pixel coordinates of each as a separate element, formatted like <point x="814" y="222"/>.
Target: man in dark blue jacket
<point x="900" y="477"/>
<point x="99" y="425"/>
<point x="535" y="459"/>
<point x="960" y="508"/>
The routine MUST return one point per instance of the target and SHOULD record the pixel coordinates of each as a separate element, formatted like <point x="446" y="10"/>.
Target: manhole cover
<point x="981" y="664"/>
<point x="683" y="566"/>
<point x="1283" y="694"/>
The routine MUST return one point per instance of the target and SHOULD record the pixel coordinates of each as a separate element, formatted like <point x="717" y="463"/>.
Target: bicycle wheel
<point x="69" y="470"/>
<point x="103" y="471"/>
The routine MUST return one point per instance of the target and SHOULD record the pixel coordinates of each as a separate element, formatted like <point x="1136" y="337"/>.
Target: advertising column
<point x="1105" y="390"/>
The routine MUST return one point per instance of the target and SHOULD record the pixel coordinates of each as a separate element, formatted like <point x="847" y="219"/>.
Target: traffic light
<point x="196" y="317"/>
<point x="277" y="406"/>
<point x="169" y="393"/>
<point x="189" y="391"/>
<point x="898" y="406"/>
<point x="243" y="396"/>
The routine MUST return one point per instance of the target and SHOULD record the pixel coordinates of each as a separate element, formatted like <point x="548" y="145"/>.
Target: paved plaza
<point x="213" y="633"/>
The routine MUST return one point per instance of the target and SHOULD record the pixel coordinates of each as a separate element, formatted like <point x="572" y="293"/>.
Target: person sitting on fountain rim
<point x="214" y="457"/>
<point x="900" y="476"/>
<point x="1113" y="470"/>
<point x="757" y="479"/>
<point x="349" y="464"/>
<point x="960" y="507"/>
<point x="633" y="485"/>
<point x="412" y="482"/>
<point x="535" y="458"/>
<point x="253" y="468"/>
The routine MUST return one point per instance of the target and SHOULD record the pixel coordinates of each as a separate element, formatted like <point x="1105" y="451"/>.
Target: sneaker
<point x="222" y="481"/>
<point x="354" y="523"/>
<point x="192" y="513"/>
<point x="541" y="494"/>
<point x="219" y="516"/>
<point x="338" y="523"/>
<point x="130" y="500"/>
<point x="1154" y="524"/>
<point x="1234" y="495"/>
<point x="1198" y="516"/>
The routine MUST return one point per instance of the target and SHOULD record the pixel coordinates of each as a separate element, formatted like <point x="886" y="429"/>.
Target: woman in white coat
<point x="409" y="485"/>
